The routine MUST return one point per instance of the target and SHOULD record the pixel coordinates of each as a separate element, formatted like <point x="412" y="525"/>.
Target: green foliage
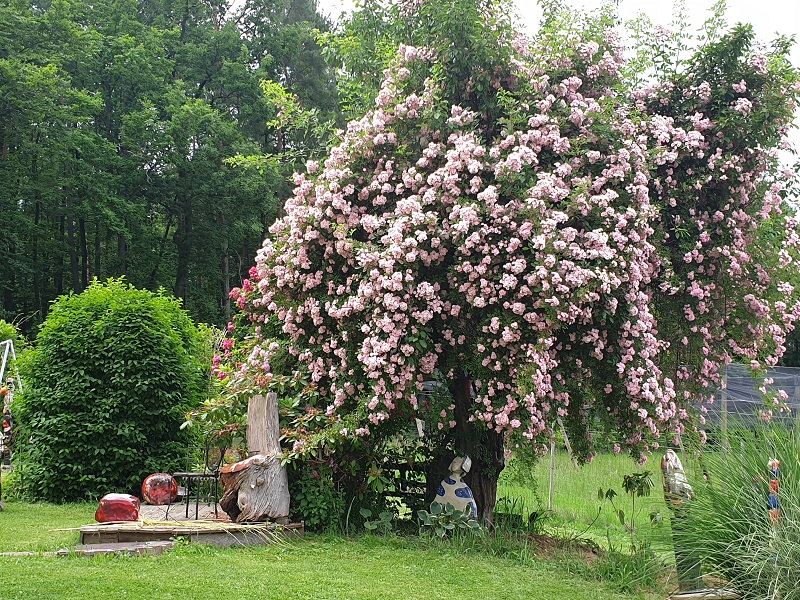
<point x="8" y="332"/>
<point x="112" y="374"/>
<point x="641" y="569"/>
<point x="513" y="514"/>
<point x="521" y="468"/>
<point x="442" y="520"/>
<point x="382" y="523"/>
<point x="118" y="121"/>
<point x="465" y="31"/>
<point x="316" y="499"/>
<point x="636" y="485"/>
<point x="729" y="527"/>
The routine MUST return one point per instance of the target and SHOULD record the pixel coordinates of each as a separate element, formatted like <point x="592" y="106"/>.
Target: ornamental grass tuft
<point x="730" y="527"/>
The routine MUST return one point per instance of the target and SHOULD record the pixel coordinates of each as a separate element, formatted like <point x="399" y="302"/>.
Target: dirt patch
<point x="553" y="547"/>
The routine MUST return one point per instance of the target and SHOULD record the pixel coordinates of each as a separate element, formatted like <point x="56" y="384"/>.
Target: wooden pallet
<point x="204" y="532"/>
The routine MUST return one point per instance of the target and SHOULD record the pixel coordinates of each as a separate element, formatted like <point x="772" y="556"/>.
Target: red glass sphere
<point x="159" y="488"/>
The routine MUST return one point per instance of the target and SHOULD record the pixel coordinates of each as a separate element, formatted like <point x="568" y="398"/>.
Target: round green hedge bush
<point x="112" y="374"/>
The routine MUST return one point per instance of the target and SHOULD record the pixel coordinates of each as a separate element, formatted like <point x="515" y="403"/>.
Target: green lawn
<point x="315" y="567"/>
<point x="575" y="502"/>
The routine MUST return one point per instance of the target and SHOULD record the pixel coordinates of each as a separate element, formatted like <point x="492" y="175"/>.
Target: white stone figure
<point x="452" y="490"/>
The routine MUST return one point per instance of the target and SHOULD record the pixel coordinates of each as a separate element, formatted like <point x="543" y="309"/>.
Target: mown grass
<point x="33" y="527"/>
<point x="577" y="511"/>
<point x="317" y="567"/>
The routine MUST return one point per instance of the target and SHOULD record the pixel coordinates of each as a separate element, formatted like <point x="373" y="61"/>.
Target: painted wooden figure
<point x="452" y="490"/>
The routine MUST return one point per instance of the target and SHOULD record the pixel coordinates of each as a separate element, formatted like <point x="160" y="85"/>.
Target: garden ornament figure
<point x="452" y="490"/>
<point x="676" y="487"/>
<point x="774" y="466"/>
<point x="677" y="491"/>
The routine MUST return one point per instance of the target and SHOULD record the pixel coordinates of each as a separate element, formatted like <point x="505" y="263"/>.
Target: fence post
<point x="552" y="472"/>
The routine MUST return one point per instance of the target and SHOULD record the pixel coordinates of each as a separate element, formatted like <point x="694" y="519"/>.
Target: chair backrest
<point x="211" y="455"/>
<point x="214" y="456"/>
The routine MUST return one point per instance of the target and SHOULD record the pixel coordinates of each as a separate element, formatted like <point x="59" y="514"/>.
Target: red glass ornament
<point x="159" y="488"/>
<point x="117" y="507"/>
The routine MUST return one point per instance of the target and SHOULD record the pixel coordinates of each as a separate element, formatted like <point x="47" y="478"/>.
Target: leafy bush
<point x="8" y="332"/>
<point x="729" y="526"/>
<point x="316" y="499"/>
<point x="442" y="520"/>
<point x="381" y="524"/>
<point x="113" y="372"/>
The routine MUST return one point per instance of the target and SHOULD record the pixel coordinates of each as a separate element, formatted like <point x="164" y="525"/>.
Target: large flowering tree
<point x="511" y="220"/>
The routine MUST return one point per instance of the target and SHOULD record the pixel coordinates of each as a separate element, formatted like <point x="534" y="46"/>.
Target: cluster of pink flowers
<point x="589" y="261"/>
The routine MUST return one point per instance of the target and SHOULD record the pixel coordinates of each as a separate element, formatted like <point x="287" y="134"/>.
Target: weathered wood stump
<point x="257" y="488"/>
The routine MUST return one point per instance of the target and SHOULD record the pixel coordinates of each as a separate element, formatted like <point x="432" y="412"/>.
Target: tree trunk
<point x="263" y="426"/>
<point x="84" y="253"/>
<point x="484" y="447"/>
<point x="226" y="281"/>
<point x="73" y="254"/>
<point x="257" y="489"/>
<point x="58" y="276"/>
<point x="161" y="249"/>
<point x="122" y="254"/>
<point x="183" y="244"/>
<point x="98" y="263"/>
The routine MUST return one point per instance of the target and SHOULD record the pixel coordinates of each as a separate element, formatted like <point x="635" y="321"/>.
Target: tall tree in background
<point x="119" y="122"/>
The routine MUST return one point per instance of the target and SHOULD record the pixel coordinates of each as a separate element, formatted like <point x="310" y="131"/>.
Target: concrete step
<point x="151" y="548"/>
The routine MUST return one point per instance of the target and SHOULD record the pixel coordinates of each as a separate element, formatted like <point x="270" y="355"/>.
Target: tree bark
<point x="84" y="253"/>
<point x="122" y="254"/>
<point x="484" y="447"/>
<point x="257" y="489"/>
<point x="73" y="254"/>
<point x="58" y="277"/>
<point x="98" y="263"/>
<point x="183" y="244"/>
<point x="226" y="281"/>
<point x="161" y="249"/>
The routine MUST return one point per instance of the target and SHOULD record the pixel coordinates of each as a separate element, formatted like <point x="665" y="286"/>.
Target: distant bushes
<point x="107" y="386"/>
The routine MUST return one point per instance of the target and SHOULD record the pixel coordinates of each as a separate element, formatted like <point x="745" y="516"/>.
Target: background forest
<point x="118" y="123"/>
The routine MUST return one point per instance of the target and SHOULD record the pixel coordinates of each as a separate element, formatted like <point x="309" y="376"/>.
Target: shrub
<point x="316" y="499"/>
<point x="729" y="526"/>
<point x="8" y="332"/>
<point x="111" y="377"/>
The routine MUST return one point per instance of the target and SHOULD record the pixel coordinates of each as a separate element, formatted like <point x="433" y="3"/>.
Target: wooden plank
<point x="99" y="537"/>
<point x="256" y="434"/>
<point x="223" y="534"/>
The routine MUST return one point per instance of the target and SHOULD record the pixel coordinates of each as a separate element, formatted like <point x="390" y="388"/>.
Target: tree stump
<point x="257" y="488"/>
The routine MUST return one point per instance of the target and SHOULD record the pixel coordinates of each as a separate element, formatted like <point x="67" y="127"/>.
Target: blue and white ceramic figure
<point x="452" y="490"/>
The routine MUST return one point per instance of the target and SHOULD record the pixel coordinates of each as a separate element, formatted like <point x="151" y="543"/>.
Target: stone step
<point x="127" y="548"/>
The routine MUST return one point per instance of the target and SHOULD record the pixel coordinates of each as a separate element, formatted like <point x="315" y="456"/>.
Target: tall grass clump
<point x="729" y="527"/>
